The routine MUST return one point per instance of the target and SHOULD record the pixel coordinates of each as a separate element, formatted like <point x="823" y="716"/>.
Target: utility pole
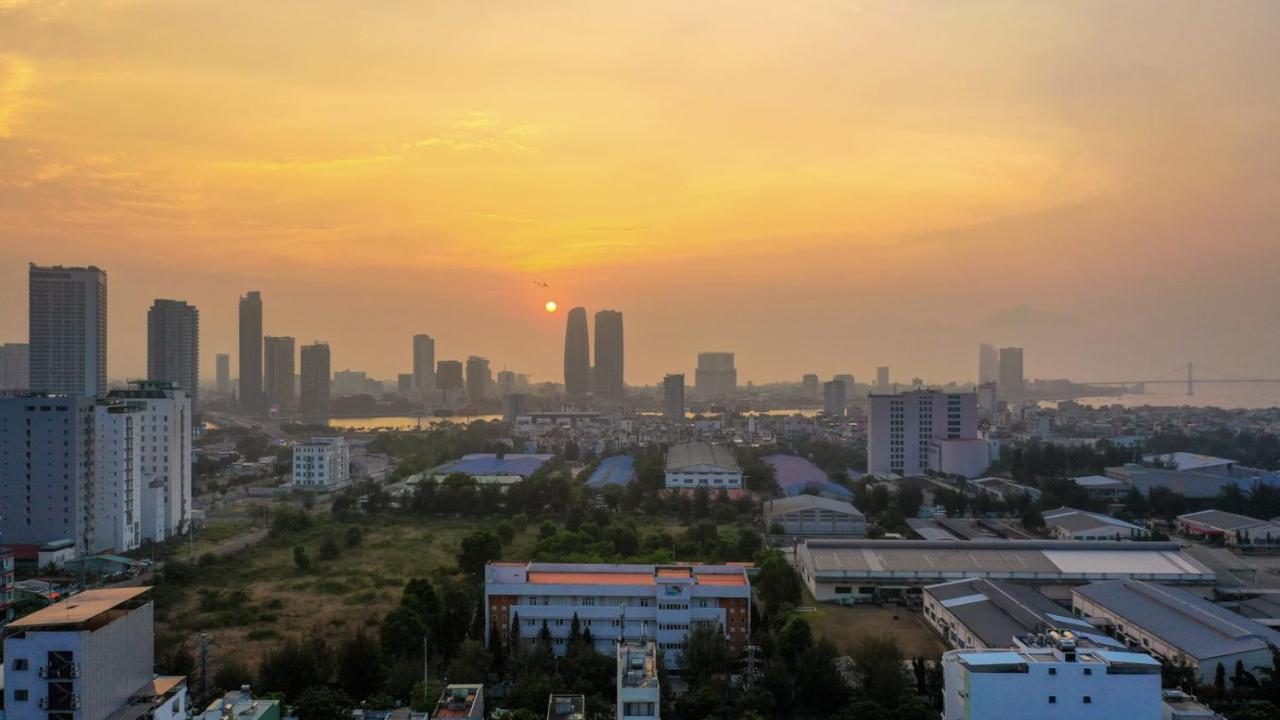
<point x="204" y="662"/>
<point x="426" y="664"/>
<point x="1191" y="382"/>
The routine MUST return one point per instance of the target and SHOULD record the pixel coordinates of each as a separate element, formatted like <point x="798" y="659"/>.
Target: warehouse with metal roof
<point x="813" y="516"/>
<point x="1067" y="523"/>
<point x="888" y="570"/>
<point x="1176" y="625"/>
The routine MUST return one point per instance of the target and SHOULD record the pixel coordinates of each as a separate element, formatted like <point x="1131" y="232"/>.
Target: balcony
<point x="66" y="671"/>
<point x="67" y="703"/>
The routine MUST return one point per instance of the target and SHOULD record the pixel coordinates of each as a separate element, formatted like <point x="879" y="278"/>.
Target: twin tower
<point x="604" y="379"/>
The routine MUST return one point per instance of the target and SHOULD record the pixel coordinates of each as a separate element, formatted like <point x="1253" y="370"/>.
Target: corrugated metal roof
<point x="682" y="455"/>
<point x="808" y="502"/>
<point x="795" y="474"/>
<point x="79" y="608"/>
<point x="480" y="464"/>
<point x="617" y="470"/>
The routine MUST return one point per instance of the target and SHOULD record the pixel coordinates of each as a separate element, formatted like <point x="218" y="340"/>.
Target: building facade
<point x="988" y="364"/>
<point x="1011" y="382"/>
<point x="813" y="516"/>
<point x="673" y="397"/>
<point x="315" y="380"/>
<point x="173" y="346"/>
<point x="67" y="323"/>
<point x="639" y="692"/>
<point x="222" y="381"/>
<point x="479" y="379"/>
<point x="278" y="365"/>
<point x="833" y="398"/>
<point x="693" y="465"/>
<point x="15" y="366"/>
<point x="164" y="456"/>
<point x="449" y="375"/>
<point x="424" y="363"/>
<point x="253" y="400"/>
<point x="632" y="603"/>
<point x="322" y="464"/>
<point x="903" y="426"/>
<point x="716" y="377"/>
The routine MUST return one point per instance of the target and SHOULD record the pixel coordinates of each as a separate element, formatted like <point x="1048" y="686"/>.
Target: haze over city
<point x="858" y="184"/>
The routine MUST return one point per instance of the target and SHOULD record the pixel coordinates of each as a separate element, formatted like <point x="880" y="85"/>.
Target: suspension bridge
<point x="1191" y="379"/>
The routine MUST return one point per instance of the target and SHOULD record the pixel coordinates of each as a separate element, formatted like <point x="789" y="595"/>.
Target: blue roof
<point x="992" y="658"/>
<point x="1117" y="656"/>
<point x="489" y="464"/>
<point x="795" y="475"/>
<point x="617" y="470"/>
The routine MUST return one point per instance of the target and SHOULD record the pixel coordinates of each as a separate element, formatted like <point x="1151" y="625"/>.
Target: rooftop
<point x="795" y="475"/>
<point x="613" y="574"/>
<point x="481" y="464"/>
<point x="88" y="607"/>
<point x="1018" y="659"/>
<point x="1189" y="461"/>
<point x="617" y="470"/>
<point x="1194" y="625"/>
<point x="638" y="665"/>
<point x="1074" y="520"/>
<point x="1035" y="560"/>
<point x="566" y="707"/>
<point x="1224" y="521"/>
<point x="996" y="611"/>
<point x="457" y="701"/>
<point x="1098" y="481"/>
<point x="807" y="502"/>
<point x="682" y="455"/>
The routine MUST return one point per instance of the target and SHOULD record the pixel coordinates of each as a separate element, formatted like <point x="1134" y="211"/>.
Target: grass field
<point x="845" y="626"/>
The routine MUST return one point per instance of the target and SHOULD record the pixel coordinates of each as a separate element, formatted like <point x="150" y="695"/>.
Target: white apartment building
<point x="694" y="465"/>
<point x="629" y="603"/>
<point x="324" y="464"/>
<point x="70" y="470"/>
<point x="903" y="427"/>
<point x="88" y="658"/>
<point x="165" y="456"/>
<point x="1055" y="681"/>
<point x="639" y="694"/>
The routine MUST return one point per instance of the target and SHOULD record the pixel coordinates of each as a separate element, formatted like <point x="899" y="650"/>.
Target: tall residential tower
<point x="424" y="363"/>
<point x="68" y="329"/>
<point x="577" y="354"/>
<point x="173" y="346"/>
<point x="252" y="398"/>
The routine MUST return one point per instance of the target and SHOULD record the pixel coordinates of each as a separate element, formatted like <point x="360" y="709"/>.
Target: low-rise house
<point x="567" y="707"/>
<point x="639" y="694"/>
<point x="814" y="516"/>
<point x="460" y="702"/>
<point x="1066" y="523"/>
<point x="1234" y="530"/>
<point x="1176" y="626"/>
<point x="241" y="705"/>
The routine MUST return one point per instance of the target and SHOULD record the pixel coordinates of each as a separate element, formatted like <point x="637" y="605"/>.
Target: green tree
<point x="301" y="559"/>
<point x="296" y="665"/>
<point x="470" y="664"/>
<point x="360" y="672"/>
<point x="706" y="655"/>
<point x="776" y="582"/>
<point x="355" y="536"/>
<point x="232" y="673"/>
<point x="878" y="663"/>
<point x="478" y="549"/>
<point x="322" y="703"/>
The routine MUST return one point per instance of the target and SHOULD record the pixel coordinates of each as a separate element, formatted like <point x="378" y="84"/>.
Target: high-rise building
<point x="253" y="399"/>
<point x="315" y="380"/>
<point x="848" y="383"/>
<point x="449" y="375"/>
<point x="15" y="366"/>
<point x="347" y="383"/>
<point x="479" y="379"/>
<point x="70" y="468"/>
<point x="405" y="384"/>
<point x="833" y="398"/>
<point x="988" y="364"/>
<point x="67" y="323"/>
<point x="506" y="382"/>
<point x="577" y="354"/>
<point x="1010" y="383"/>
<point x="609" y="355"/>
<point x="716" y="377"/>
<point x="512" y="407"/>
<point x="173" y="346"/>
<point x="165" y="463"/>
<point x="905" y="429"/>
<point x="673" y="397"/>
<point x="810" y="386"/>
<point x="424" y="363"/>
<point x="279" y="365"/>
<point x="882" y="377"/>
<point x="222" y="361"/>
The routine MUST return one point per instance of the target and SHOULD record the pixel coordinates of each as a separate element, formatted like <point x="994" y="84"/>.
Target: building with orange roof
<point x="627" y="603"/>
<point x="460" y="702"/>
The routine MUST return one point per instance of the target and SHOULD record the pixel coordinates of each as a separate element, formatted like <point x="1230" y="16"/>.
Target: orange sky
<point x="821" y="186"/>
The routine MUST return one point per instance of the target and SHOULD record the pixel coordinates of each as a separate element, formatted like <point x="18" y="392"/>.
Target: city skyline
<point x="1054" y="158"/>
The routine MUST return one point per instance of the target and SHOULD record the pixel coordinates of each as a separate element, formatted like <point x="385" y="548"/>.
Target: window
<point x="1088" y="671"/>
<point x="1053" y="671"/>
<point x="19" y="664"/>
<point x="1088" y="699"/>
<point x="20" y="695"/>
<point x="1053" y="699"/>
<point x="844" y="590"/>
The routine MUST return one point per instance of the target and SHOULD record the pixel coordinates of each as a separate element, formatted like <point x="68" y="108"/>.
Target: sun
<point x="551" y="306"/>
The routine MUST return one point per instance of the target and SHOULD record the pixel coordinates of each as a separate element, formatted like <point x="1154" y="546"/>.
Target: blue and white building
<point x="323" y="464"/>
<point x="695" y="465"/>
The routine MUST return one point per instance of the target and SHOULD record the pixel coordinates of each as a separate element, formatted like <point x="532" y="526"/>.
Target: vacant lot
<point x="845" y="626"/>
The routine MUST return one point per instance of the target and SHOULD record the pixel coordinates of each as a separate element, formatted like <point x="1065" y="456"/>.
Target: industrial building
<point x="813" y="516"/>
<point x="1234" y="530"/>
<point x="980" y="613"/>
<point x="634" y="603"/>
<point x="1066" y="523"/>
<point x="1176" y="625"/>
<point x="893" y="570"/>
<point x="797" y="476"/>
<point x="616" y="470"/>
<point x="702" y="465"/>
<point x="489" y="469"/>
<point x="1062" y="679"/>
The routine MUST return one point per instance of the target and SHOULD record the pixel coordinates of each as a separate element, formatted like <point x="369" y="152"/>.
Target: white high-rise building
<point x="905" y="427"/>
<point x="165" y="444"/>
<point x="1056" y="680"/>
<point x="70" y="468"/>
<point x="68" y="329"/>
<point x="322" y="464"/>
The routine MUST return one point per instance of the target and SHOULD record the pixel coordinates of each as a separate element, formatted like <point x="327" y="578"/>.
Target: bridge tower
<point x="1191" y="381"/>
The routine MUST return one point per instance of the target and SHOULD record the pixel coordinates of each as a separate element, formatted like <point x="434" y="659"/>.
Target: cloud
<point x="16" y="77"/>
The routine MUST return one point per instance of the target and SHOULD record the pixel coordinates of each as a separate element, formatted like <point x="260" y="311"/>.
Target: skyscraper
<point x="424" y="363"/>
<point x="252" y="398"/>
<point x="988" y="364"/>
<point x="1010" y="383"/>
<point x="173" y="347"/>
<point x="716" y="378"/>
<point x="479" y="379"/>
<point x="506" y="382"/>
<point x="882" y="377"/>
<point x="279" y="366"/>
<point x="810" y="386"/>
<point x="833" y="398"/>
<point x="315" y="380"/>
<point x="609" y="355"/>
<point x="223" y="362"/>
<point x="577" y="354"/>
<point x="673" y="397"/>
<point x="68" y="329"/>
<point x="15" y="366"/>
<point x="449" y="375"/>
